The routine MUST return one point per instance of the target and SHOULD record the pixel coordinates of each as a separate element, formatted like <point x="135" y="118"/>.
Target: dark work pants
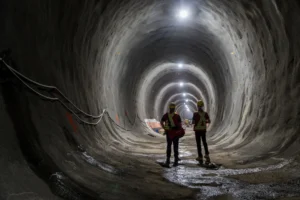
<point x="175" y="142"/>
<point x="201" y="135"/>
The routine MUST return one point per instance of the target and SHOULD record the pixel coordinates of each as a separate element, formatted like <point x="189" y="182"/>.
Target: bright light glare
<point x="183" y="13"/>
<point x="186" y="100"/>
<point x="180" y="65"/>
<point x="181" y="83"/>
<point x="184" y="94"/>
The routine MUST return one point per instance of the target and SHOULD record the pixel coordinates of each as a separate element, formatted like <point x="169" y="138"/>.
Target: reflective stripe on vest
<point x="171" y="119"/>
<point x="167" y="127"/>
<point x="201" y="121"/>
<point x="170" y="116"/>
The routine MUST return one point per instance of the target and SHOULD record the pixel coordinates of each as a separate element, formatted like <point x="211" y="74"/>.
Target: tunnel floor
<point x="235" y="180"/>
<point x="247" y="178"/>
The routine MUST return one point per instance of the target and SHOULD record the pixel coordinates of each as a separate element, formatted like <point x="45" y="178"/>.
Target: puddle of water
<point x="148" y="155"/>
<point x="96" y="163"/>
<point x="216" y="186"/>
<point x="210" y="174"/>
<point x="184" y="153"/>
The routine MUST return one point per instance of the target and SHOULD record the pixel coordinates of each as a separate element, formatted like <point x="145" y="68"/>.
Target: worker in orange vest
<point x="200" y="121"/>
<point x="171" y="123"/>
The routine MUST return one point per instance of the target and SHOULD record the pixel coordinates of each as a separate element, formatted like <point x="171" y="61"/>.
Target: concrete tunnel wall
<point x="243" y="56"/>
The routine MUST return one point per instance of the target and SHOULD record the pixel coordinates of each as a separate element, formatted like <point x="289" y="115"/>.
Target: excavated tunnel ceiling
<point x="241" y="57"/>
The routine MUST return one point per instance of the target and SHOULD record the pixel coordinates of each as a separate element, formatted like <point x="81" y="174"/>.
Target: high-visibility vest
<point x="201" y="125"/>
<point x="167" y="126"/>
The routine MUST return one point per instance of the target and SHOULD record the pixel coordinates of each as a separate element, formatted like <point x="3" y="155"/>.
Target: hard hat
<point x="172" y="105"/>
<point x="200" y="103"/>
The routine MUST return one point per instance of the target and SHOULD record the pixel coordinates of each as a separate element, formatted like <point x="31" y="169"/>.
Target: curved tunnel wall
<point x="244" y="59"/>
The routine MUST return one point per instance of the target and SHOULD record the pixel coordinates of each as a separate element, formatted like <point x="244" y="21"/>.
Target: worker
<point x="200" y="121"/>
<point x="171" y="123"/>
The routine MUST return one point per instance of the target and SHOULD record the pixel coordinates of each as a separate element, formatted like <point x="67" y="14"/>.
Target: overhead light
<point x="186" y="100"/>
<point x="180" y="65"/>
<point x="183" y="13"/>
<point x="181" y="84"/>
<point x="184" y="94"/>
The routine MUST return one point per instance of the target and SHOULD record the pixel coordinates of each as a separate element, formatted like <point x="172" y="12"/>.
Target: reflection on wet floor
<point x="96" y="163"/>
<point x="214" y="184"/>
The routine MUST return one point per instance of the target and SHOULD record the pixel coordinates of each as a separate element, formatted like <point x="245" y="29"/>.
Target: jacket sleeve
<point x="163" y="119"/>
<point x="207" y="118"/>
<point x="193" y="120"/>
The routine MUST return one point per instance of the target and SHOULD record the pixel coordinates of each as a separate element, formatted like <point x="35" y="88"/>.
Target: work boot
<point x="200" y="160"/>
<point x="167" y="163"/>
<point x="175" y="164"/>
<point x="207" y="159"/>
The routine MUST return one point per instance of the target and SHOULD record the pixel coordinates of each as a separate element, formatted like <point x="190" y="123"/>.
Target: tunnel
<point x="79" y="79"/>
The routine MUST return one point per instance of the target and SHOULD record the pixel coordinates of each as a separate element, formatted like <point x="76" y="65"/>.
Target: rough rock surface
<point x="241" y="57"/>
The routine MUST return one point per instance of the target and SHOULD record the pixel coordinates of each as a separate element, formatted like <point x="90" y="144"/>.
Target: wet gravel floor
<point x="215" y="184"/>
